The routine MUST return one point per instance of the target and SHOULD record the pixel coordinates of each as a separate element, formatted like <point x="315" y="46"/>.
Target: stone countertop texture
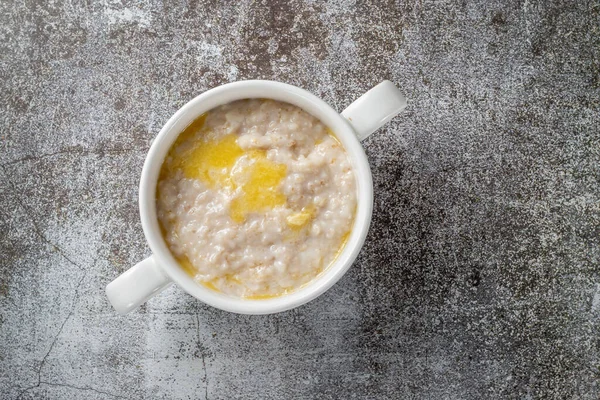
<point x="479" y="279"/>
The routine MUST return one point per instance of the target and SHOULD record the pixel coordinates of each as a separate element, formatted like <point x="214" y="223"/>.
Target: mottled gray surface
<point x="479" y="279"/>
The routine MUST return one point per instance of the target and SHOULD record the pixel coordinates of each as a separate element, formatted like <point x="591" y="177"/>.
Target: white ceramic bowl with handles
<point x="157" y="272"/>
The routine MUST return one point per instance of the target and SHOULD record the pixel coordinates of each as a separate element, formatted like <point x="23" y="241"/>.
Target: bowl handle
<point x="136" y="285"/>
<point x="374" y="108"/>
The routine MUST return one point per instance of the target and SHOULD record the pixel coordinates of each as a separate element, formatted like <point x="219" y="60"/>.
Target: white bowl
<point x="157" y="272"/>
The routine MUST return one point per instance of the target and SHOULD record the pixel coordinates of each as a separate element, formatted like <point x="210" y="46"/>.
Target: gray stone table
<point x="479" y="279"/>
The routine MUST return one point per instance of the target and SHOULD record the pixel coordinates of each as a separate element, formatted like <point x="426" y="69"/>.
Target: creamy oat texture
<point x="256" y="198"/>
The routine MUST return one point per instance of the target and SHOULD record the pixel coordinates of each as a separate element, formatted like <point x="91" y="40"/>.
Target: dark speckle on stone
<point x="480" y="275"/>
<point x="498" y="19"/>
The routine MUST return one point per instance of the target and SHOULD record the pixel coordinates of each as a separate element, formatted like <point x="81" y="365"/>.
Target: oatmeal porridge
<point x="256" y="198"/>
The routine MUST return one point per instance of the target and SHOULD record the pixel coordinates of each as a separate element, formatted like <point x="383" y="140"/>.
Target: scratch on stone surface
<point x="427" y="367"/>
<point x="202" y="356"/>
<point x="78" y="150"/>
<point x="52" y="118"/>
<point x="36" y="228"/>
<point x="43" y="361"/>
<point x="596" y="299"/>
<point x="525" y="13"/>
<point x="84" y="388"/>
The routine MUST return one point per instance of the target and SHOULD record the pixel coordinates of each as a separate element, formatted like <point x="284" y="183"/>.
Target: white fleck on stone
<point x="232" y="74"/>
<point x="596" y="299"/>
<point x="128" y="15"/>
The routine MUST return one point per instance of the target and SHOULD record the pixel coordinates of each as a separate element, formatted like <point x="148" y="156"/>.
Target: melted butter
<point x="186" y="265"/>
<point x="229" y="279"/>
<point x="299" y="220"/>
<point x="260" y="183"/>
<point x="332" y="135"/>
<point x="210" y="285"/>
<point x="211" y="161"/>
<point x="342" y="245"/>
<point x="173" y="159"/>
<point x="190" y="132"/>
<point x="265" y="296"/>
